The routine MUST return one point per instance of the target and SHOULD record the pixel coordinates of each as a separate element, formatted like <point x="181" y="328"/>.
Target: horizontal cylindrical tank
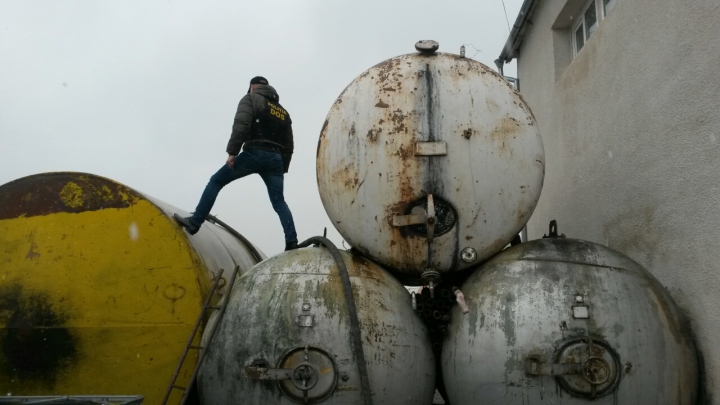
<point x="429" y="124"/>
<point x="567" y="321"/>
<point x="100" y="288"/>
<point x="286" y="336"/>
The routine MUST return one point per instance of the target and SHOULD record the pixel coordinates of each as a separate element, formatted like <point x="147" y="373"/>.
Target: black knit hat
<point x="257" y="80"/>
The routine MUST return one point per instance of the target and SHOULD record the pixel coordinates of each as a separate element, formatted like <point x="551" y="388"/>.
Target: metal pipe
<point x="213" y="219"/>
<point x="437" y="314"/>
<point x="354" y="321"/>
<point x="414" y="301"/>
<point x="461" y="300"/>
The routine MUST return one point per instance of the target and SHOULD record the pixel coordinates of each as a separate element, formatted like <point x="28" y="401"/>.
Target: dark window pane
<point x="609" y="4"/>
<point x="579" y="38"/>
<point x="590" y="20"/>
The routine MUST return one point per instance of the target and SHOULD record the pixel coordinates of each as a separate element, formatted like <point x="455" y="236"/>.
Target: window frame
<point x="600" y="14"/>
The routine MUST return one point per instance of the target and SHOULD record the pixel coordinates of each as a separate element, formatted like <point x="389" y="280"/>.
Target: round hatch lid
<point x="314" y="375"/>
<point x="600" y="368"/>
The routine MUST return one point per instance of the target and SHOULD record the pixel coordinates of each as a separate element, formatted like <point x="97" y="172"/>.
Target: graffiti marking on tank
<point x="154" y="294"/>
<point x="174" y="292"/>
<point x="32" y="253"/>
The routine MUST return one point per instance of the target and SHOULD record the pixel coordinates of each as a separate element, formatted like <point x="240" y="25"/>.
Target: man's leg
<point x="274" y="183"/>
<point x="218" y="180"/>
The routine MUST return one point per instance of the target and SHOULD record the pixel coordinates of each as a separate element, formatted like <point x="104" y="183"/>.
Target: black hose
<point x="354" y="321"/>
<point x="256" y="255"/>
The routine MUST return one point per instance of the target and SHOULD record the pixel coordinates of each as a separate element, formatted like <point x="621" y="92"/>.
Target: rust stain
<point x="380" y="104"/>
<point x="324" y="127"/>
<point x="398" y="119"/>
<point x="50" y="193"/>
<point x="372" y="134"/>
<point x="467" y="133"/>
<point x="323" y="133"/>
<point x="347" y="176"/>
<point x="508" y="126"/>
<point x="406" y="152"/>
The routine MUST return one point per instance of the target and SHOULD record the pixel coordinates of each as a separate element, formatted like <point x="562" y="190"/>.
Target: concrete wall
<point x="631" y="128"/>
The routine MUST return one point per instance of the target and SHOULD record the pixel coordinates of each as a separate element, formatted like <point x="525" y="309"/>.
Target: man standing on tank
<point x="263" y="130"/>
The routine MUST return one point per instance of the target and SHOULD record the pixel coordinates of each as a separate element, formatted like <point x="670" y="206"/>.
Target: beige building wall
<point x="631" y="129"/>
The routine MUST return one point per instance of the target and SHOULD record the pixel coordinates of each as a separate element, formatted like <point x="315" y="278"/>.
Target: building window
<point x="608" y="5"/>
<point x="593" y="12"/>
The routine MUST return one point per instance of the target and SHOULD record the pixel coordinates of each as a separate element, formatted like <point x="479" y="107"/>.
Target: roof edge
<point x="517" y="35"/>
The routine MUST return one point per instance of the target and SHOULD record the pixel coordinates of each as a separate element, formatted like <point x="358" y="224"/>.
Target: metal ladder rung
<point x="189" y="345"/>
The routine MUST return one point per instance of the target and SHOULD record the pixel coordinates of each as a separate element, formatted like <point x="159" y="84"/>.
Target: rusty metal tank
<point x="568" y="321"/>
<point x="429" y="160"/>
<point x="99" y="287"/>
<point x="286" y="337"/>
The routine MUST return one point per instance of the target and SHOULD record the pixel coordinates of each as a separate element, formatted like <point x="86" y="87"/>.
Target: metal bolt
<point x="628" y="367"/>
<point x="344" y="377"/>
<point x="468" y="255"/>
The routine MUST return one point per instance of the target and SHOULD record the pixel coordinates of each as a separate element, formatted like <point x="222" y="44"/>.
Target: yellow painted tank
<point x="99" y="288"/>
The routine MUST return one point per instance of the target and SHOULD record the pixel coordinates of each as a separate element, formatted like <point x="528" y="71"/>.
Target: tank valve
<point x="427" y="46"/>
<point x="460" y="298"/>
<point x="430" y="278"/>
<point x="553" y="232"/>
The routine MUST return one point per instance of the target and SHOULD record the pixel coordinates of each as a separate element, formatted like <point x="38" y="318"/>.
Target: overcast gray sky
<point x="144" y="92"/>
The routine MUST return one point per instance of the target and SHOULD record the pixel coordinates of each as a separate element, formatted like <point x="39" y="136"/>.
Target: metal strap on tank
<point x="354" y="321"/>
<point x="256" y="255"/>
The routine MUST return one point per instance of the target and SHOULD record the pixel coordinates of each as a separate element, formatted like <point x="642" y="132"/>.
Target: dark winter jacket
<point x="249" y="112"/>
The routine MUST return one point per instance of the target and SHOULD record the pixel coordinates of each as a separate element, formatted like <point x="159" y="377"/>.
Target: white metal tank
<point x="429" y="124"/>
<point x="286" y="337"/>
<point x="567" y="321"/>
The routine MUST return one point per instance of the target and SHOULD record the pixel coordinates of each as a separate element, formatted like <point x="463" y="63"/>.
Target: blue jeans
<point x="269" y="165"/>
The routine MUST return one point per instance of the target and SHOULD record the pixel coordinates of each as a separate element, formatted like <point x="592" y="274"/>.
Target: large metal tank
<point x="426" y="124"/>
<point x="100" y="288"/>
<point x="286" y="337"/>
<point x="562" y="321"/>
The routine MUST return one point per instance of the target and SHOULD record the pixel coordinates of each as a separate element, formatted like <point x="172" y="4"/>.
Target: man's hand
<point x="230" y="162"/>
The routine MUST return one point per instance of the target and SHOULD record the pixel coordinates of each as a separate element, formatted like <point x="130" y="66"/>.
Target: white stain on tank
<point x="133" y="231"/>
